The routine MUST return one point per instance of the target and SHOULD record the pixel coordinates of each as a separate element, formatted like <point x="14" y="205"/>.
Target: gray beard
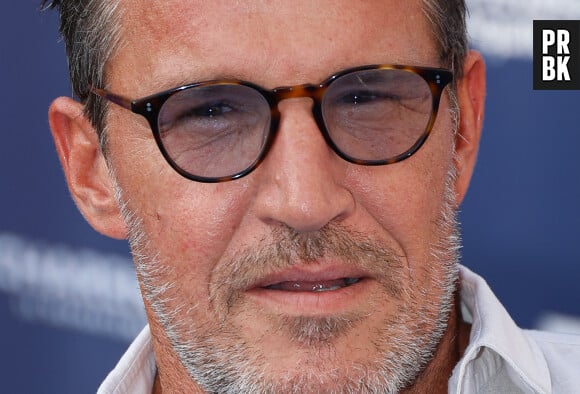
<point x="219" y="359"/>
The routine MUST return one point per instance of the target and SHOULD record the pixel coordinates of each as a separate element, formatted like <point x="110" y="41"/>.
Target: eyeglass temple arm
<point x="114" y="98"/>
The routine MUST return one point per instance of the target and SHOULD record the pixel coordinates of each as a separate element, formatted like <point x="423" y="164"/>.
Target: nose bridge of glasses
<point x="315" y="92"/>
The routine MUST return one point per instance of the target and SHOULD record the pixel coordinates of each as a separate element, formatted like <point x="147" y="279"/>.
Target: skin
<point x="195" y="229"/>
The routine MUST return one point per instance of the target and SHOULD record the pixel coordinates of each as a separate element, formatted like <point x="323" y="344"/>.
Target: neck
<point x="435" y="377"/>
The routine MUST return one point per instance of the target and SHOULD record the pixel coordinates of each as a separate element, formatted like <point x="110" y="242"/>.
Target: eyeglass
<point x="221" y="130"/>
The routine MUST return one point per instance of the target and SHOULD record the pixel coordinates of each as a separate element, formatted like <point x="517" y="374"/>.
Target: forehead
<point x="272" y="43"/>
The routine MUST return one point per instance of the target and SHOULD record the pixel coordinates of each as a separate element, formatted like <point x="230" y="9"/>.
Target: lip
<point x="311" y="273"/>
<point x="311" y="303"/>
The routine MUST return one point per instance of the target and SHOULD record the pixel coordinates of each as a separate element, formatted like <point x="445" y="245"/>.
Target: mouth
<point x="316" y="286"/>
<point x="313" y="290"/>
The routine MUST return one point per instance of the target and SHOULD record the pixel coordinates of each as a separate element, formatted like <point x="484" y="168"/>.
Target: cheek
<point x="188" y="225"/>
<point x="404" y="200"/>
<point x="179" y="216"/>
<point x="199" y="219"/>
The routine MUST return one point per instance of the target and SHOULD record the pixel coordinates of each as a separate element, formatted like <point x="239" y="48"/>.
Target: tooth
<point x="320" y="288"/>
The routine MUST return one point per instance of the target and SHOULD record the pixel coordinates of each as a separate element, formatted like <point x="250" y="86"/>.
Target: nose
<point x="302" y="181"/>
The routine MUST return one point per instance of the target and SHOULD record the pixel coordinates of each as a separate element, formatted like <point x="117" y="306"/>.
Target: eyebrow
<point x="162" y="83"/>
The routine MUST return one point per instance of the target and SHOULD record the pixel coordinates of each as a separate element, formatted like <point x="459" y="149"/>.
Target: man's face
<point x="310" y="270"/>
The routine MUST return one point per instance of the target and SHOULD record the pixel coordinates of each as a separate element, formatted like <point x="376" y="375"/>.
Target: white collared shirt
<point x="500" y="357"/>
<point x="503" y="358"/>
<point x="135" y="371"/>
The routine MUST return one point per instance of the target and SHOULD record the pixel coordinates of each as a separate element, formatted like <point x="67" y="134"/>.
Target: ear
<point x="85" y="167"/>
<point x="471" y="97"/>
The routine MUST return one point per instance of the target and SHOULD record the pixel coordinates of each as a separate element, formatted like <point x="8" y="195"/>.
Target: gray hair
<point x="447" y="19"/>
<point x="90" y="29"/>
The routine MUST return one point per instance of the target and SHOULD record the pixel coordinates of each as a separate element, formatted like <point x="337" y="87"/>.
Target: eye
<point x="208" y="110"/>
<point x="366" y="97"/>
<point x="203" y="114"/>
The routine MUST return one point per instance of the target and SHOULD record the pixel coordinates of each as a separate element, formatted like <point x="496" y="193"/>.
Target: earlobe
<point x="85" y="167"/>
<point x="471" y="98"/>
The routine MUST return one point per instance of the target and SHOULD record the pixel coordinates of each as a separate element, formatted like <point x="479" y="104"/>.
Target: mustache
<point x="286" y="248"/>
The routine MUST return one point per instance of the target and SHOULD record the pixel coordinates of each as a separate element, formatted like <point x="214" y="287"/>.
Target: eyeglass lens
<point x="215" y="130"/>
<point x="220" y="130"/>
<point x="377" y="114"/>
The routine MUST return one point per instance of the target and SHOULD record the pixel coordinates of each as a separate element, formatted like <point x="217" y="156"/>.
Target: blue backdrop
<point x="68" y="303"/>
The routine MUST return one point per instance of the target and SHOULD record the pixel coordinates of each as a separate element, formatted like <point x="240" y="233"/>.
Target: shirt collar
<point x="495" y="339"/>
<point x="135" y="371"/>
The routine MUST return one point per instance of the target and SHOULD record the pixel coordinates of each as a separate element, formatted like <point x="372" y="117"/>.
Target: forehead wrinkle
<point x="148" y="45"/>
<point x="152" y="21"/>
<point x="272" y="33"/>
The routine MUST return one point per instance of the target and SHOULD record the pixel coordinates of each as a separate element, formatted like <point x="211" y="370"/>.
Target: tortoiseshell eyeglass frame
<point x="150" y="106"/>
